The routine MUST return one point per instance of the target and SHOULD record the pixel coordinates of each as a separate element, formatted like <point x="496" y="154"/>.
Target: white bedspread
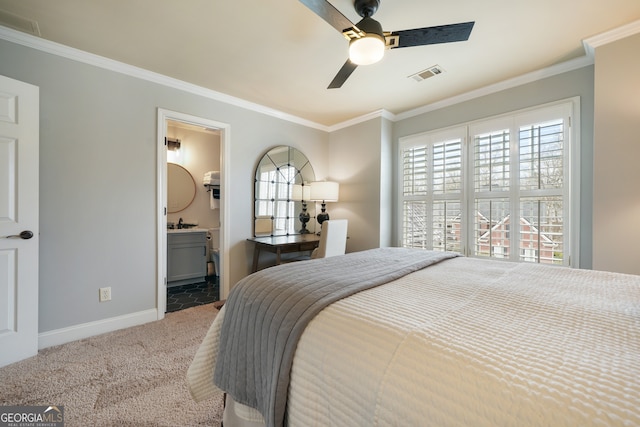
<point x="475" y="343"/>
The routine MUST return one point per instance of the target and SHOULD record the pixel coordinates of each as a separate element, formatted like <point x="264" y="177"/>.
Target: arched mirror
<point x="276" y="213"/>
<point x="181" y="188"/>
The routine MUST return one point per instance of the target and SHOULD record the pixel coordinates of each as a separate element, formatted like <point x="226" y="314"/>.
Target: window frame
<point x="568" y="110"/>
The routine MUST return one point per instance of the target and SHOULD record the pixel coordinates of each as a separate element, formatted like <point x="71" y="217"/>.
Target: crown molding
<point x="570" y="65"/>
<point x="591" y="43"/>
<point x="361" y="119"/>
<point x="78" y="55"/>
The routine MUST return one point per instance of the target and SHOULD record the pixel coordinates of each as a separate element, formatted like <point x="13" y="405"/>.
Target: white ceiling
<point x="281" y="55"/>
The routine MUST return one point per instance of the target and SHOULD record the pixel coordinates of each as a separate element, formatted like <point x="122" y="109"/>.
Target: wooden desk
<point x="282" y="244"/>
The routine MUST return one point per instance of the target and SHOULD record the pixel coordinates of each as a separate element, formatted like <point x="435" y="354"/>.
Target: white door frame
<point x="163" y="117"/>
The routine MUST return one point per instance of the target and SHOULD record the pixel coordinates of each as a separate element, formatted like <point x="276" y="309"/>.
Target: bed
<point x="406" y="337"/>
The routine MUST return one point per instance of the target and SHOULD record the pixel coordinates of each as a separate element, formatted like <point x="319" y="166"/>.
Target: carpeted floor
<point x="132" y="377"/>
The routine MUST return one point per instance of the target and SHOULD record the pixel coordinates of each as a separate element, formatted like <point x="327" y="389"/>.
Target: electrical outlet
<point x="105" y="294"/>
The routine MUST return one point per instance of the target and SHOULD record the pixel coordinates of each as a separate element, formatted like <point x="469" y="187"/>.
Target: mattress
<point x="471" y="342"/>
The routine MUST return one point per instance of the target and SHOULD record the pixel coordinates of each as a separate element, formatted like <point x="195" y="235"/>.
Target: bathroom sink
<point x="187" y="230"/>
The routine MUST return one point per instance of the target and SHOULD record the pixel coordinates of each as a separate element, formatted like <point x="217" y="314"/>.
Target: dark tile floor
<point x="185" y="296"/>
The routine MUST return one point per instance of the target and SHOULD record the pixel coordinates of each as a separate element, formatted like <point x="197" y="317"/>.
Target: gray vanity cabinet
<point x="186" y="257"/>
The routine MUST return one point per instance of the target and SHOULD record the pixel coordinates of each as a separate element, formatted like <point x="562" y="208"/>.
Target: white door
<point x="19" y="151"/>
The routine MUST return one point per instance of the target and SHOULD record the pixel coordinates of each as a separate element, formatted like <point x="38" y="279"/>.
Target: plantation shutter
<point x="432" y="183"/>
<point x="519" y="193"/>
<point x="496" y="188"/>
<point x="491" y="191"/>
<point x="542" y="191"/>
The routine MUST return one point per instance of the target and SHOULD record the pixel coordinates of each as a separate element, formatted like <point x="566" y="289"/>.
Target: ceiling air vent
<point x="19" y="23"/>
<point x="429" y="72"/>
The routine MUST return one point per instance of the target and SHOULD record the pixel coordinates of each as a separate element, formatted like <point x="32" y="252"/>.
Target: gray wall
<point x="616" y="197"/>
<point x="360" y="160"/>
<point x="562" y="86"/>
<point x="98" y="181"/>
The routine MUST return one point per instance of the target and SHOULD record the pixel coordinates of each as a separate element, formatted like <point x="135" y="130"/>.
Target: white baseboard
<point x="86" y="330"/>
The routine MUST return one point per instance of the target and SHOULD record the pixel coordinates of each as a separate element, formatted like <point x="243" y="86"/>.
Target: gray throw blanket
<point x="267" y="312"/>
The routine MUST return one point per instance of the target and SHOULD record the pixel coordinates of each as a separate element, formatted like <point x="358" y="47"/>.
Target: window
<point x="432" y="193"/>
<point x="465" y="189"/>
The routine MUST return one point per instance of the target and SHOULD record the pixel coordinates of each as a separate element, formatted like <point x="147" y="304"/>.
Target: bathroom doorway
<point x="201" y="149"/>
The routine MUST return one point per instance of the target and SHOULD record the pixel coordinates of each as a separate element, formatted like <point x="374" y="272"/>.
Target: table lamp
<point x="323" y="192"/>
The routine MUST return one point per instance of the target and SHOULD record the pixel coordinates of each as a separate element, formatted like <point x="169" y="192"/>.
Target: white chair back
<point x="333" y="238"/>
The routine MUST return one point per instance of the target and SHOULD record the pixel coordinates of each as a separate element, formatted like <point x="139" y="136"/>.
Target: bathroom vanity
<point x="186" y="256"/>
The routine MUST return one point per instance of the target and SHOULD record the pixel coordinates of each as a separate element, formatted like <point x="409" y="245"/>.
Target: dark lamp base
<point x="322" y="217"/>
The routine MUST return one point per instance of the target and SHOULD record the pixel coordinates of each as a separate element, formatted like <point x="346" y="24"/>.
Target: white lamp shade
<point x="366" y="50"/>
<point x="325" y="191"/>
<point x="301" y="192"/>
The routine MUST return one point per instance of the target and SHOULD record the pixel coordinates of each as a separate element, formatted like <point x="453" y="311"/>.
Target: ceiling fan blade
<point x="433" y="35"/>
<point x="342" y="75"/>
<point x="326" y="11"/>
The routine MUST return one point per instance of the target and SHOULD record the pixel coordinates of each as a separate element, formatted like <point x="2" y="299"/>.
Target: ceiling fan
<point x="367" y="41"/>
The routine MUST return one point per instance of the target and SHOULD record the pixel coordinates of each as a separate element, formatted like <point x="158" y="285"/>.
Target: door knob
<point x="24" y="235"/>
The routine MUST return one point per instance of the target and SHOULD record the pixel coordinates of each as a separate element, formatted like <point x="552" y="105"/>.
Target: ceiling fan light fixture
<point x="368" y="46"/>
<point x="367" y="41"/>
<point x="366" y="50"/>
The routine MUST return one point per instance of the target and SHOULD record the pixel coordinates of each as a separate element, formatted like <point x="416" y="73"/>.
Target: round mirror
<point x="181" y="188"/>
<point x="276" y="211"/>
